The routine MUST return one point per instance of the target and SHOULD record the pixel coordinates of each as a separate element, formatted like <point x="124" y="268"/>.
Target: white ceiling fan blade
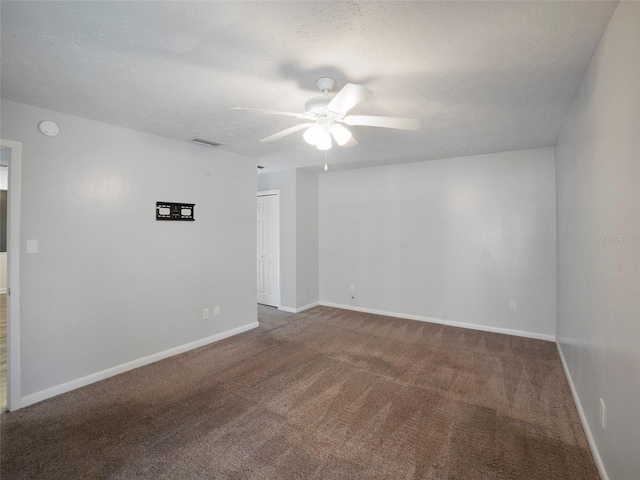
<point x="351" y="143"/>
<point x="340" y="134"/>
<point x="347" y="98"/>
<point x="286" y="132"/>
<point x="383" y="122"/>
<point x="274" y="112"/>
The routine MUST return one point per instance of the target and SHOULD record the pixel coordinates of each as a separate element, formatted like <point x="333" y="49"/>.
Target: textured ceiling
<point x="481" y="76"/>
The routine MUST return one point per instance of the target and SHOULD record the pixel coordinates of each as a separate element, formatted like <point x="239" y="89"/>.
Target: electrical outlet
<point x="513" y="305"/>
<point x="205" y="314"/>
<point x="352" y="287"/>
<point x="603" y="409"/>
<point x="216" y="310"/>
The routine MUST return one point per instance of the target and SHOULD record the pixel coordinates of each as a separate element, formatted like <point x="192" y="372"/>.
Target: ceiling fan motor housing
<point x="317" y="105"/>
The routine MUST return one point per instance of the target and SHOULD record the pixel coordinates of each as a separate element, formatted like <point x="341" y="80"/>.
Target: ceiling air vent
<point x="208" y="143"/>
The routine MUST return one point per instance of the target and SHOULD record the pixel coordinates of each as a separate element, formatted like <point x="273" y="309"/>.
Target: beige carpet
<point x="327" y="394"/>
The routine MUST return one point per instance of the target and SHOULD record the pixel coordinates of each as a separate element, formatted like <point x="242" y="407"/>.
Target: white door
<point x="268" y="241"/>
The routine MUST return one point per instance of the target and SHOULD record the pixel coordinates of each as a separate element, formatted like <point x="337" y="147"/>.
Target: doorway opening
<point x="4" y="190"/>
<point x="10" y="174"/>
<point x="268" y="248"/>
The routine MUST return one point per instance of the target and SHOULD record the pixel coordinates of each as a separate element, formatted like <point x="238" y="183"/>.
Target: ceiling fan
<point x="328" y="115"/>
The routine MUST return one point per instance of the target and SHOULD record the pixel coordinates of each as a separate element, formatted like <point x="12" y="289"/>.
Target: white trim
<point x="264" y="193"/>
<point x="276" y="193"/>
<point x="287" y="309"/>
<point x="472" y="326"/>
<point x="307" y="307"/>
<point x="110" y="372"/>
<point x="298" y="310"/>
<point x="14" y="387"/>
<point x="583" y="418"/>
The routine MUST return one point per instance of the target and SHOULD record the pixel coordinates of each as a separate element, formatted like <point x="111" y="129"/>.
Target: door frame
<point x="14" y="387"/>
<point x="276" y="193"/>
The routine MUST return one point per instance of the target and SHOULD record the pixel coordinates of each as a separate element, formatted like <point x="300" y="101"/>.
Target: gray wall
<point x="110" y="284"/>
<point x="598" y="178"/>
<point x="306" y="238"/>
<point x="453" y="239"/>
<point x="298" y="234"/>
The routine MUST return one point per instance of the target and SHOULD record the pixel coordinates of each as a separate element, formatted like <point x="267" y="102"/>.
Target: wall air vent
<point x="207" y="143"/>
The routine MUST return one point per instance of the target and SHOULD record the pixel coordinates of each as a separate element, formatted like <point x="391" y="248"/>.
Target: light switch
<point x="32" y="246"/>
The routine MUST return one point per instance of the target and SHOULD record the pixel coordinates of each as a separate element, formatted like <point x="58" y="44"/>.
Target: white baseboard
<point x="298" y="310"/>
<point x="3" y="291"/>
<point x="472" y="326"/>
<point x="583" y="418"/>
<point x="110" y="372"/>
<point x="307" y="307"/>
<point x="287" y="309"/>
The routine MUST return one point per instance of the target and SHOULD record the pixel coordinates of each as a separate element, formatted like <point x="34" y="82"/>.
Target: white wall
<point x="110" y="284"/>
<point x="306" y="238"/>
<point x="598" y="191"/>
<point x="452" y="240"/>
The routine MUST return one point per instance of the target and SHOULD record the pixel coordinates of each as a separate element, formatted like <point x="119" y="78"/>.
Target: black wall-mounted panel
<point x="175" y="211"/>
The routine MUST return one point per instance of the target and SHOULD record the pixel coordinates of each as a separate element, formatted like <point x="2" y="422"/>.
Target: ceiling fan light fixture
<point x="313" y="134"/>
<point x="340" y="134"/>
<point x="324" y="142"/>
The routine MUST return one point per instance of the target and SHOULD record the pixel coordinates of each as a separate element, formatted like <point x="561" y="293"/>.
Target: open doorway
<point x="10" y="171"/>
<point x="4" y="187"/>
<point x="268" y="248"/>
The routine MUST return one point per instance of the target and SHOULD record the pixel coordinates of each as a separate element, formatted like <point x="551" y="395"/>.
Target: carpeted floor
<point x="3" y="353"/>
<point x="326" y="394"/>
